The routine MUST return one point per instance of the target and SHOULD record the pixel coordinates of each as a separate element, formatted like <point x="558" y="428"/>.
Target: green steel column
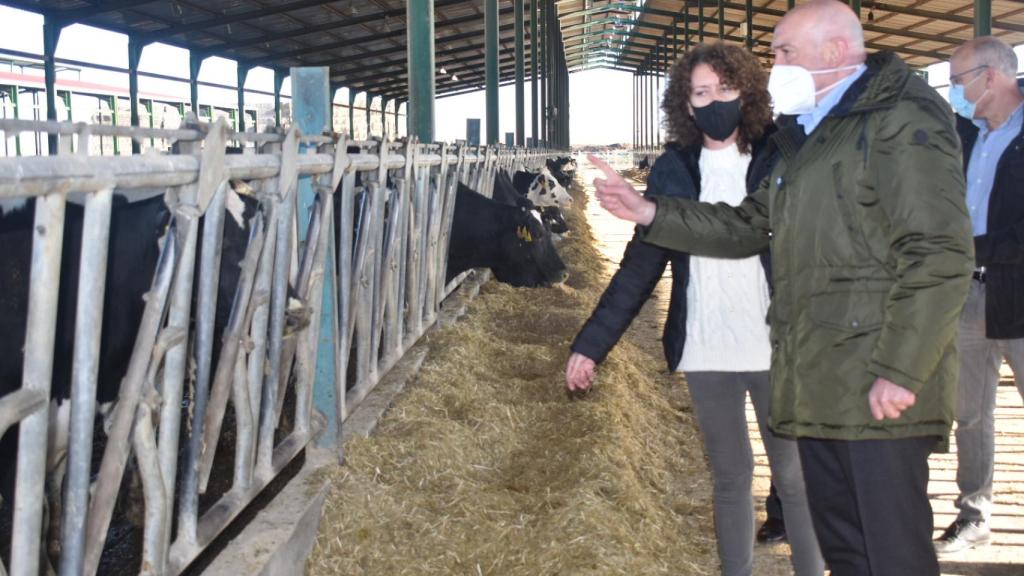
<point x="686" y="29"/>
<point x="634" y="110"/>
<point x="420" y="19"/>
<point x="721" y="19"/>
<point x="384" y="118"/>
<point x="51" y="35"/>
<point x="643" y="108"/>
<point x="352" y="114"/>
<point x="790" y="4"/>
<point x="700" y="21"/>
<point x="520" y="76"/>
<point x="543" y="74"/>
<point x="279" y="76"/>
<point x="982" y="18"/>
<point x="369" y="106"/>
<point x="750" y="25"/>
<point x="113" y="122"/>
<point x="855" y="4"/>
<point x="491" y="67"/>
<point x="534" y="61"/>
<point x="134" y="55"/>
<point x="195" y="63"/>
<point x="243" y="73"/>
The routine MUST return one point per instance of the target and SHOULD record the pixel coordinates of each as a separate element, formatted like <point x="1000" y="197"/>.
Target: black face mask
<point x="718" y="119"/>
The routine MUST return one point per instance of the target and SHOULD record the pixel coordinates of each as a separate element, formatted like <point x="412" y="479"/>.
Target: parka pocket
<point x="860" y="311"/>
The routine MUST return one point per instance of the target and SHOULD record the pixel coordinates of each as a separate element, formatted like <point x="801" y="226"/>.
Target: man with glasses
<point x="988" y="100"/>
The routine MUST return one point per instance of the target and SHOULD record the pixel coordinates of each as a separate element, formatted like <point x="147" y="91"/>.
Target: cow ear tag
<point x="523" y="234"/>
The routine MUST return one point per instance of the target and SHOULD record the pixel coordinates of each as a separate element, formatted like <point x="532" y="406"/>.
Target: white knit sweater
<point x="726" y="299"/>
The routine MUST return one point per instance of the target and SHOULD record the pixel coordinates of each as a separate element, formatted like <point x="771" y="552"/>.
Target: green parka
<point x="871" y="257"/>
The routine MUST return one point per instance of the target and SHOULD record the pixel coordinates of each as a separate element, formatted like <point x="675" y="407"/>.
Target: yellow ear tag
<point x="523" y="234"/>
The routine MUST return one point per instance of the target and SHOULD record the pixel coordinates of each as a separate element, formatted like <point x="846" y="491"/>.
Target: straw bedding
<point x="485" y="466"/>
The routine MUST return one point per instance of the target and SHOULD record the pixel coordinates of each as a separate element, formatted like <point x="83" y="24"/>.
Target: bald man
<point x="872" y="255"/>
<point x="990" y="106"/>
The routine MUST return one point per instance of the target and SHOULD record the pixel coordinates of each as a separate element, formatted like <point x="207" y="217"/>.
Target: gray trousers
<point x="719" y="401"/>
<point x="980" y="359"/>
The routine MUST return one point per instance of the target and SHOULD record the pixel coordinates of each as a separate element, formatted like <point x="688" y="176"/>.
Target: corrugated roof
<point x="623" y="34"/>
<point x="364" y="41"/>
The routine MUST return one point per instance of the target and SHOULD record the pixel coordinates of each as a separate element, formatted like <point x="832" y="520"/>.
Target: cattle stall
<point x="350" y="235"/>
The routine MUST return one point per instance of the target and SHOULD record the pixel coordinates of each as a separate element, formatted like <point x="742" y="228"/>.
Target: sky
<point x="600" y="101"/>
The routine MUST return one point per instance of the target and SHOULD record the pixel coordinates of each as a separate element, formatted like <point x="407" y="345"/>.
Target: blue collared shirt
<point x="981" y="168"/>
<point x="811" y="120"/>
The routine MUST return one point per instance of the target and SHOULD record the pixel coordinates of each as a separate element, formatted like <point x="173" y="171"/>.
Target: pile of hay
<point x="484" y="466"/>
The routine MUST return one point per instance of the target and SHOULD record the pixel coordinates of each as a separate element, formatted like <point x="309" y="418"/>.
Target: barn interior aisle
<point x="484" y="466"/>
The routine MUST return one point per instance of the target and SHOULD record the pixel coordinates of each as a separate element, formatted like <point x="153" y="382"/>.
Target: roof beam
<point x="372" y="37"/>
<point x="941" y="16"/>
<point x="327" y="27"/>
<point x="225" y="19"/>
<point x="97" y="7"/>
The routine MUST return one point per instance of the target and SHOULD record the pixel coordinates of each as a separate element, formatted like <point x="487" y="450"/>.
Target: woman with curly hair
<point x="719" y="119"/>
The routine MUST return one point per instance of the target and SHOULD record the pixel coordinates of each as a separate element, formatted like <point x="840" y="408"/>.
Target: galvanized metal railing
<point x="377" y="268"/>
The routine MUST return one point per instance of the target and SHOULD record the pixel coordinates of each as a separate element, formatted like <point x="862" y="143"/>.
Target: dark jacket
<point x="676" y="173"/>
<point x="1001" y="250"/>
<point x="871" y="258"/>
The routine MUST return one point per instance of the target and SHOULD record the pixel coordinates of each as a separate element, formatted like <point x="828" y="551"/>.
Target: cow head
<point x="546" y="191"/>
<point x="528" y="256"/>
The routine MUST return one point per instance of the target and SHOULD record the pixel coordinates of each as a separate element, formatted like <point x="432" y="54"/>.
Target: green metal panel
<point x="982" y="18"/>
<point x="491" y="65"/>
<point x="520" y="75"/>
<point x="420" y="111"/>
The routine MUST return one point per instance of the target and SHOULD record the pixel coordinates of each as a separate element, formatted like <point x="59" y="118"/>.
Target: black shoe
<point x="773" y="530"/>
<point x="961" y="535"/>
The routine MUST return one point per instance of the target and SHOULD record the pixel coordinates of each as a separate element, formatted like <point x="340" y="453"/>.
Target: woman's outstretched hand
<point x="618" y="197"/>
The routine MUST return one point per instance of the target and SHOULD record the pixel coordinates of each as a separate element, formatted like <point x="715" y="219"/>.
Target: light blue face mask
<point x="959" y="101"/>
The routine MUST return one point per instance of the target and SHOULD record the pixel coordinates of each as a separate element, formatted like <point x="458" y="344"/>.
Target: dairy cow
<point x="507" y="239"/>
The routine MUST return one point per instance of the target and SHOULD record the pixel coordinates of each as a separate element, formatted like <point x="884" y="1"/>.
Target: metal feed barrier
<point x="372" y="301"/>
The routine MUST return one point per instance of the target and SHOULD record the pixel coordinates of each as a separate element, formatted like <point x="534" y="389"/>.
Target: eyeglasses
<point x="958" y="78"/>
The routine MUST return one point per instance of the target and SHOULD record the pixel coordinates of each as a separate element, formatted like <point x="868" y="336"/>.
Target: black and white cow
<point x="542" y="189"/>
<point x="509" y="240"/>
<point x="562" y="169"/>
<point x="135" y="230"/>
<point x="551" y="216"/>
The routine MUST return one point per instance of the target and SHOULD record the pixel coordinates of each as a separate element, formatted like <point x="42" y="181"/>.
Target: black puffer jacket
<point x="675" y="173"/>
<point x="1001" y="250"/>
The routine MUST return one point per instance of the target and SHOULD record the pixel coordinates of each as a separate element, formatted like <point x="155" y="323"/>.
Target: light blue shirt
<point x="811" y="120"/>
<point x="981" y="168"/>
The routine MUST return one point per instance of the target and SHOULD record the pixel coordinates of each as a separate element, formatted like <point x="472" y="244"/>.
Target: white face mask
<point x="792" y="87"/>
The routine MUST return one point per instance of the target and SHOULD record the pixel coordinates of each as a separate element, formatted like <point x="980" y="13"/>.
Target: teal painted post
<point x="384" y="118"/>
<point x="243" y="73"/>
<point x="491" y="68"/>
<point x="51" y="35"/>
<point x="420" y="111"/>
<point x="311" y="113"/>
<point x="982" y="18"/>
<point x="855" y="5"/>
<point x="520" y="76"/>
